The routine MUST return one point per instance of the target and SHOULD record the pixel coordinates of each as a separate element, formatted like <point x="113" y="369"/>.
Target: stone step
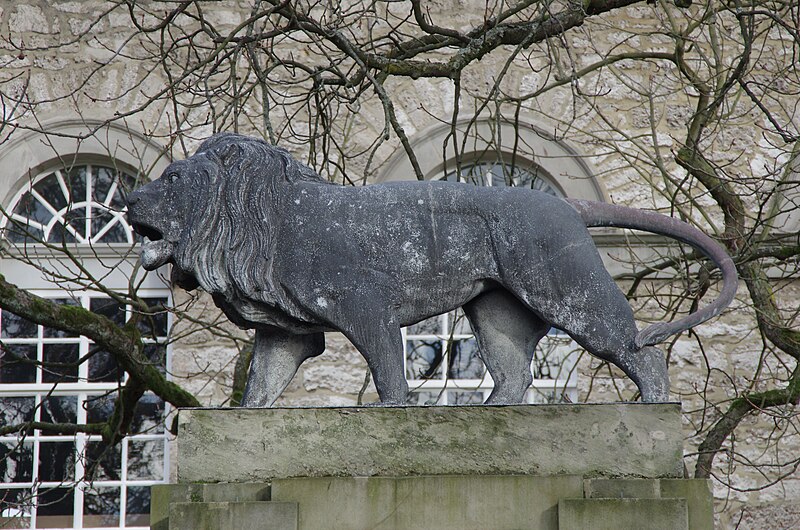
<point x="697" y="493"/>
<point x="163" y="495"/>
<point x="623" y="514"/>
<point x="233" y="515"/>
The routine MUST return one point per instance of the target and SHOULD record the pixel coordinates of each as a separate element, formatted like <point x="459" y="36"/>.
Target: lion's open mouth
<point x="147" y="231"/>
<point x="156" y="251"/>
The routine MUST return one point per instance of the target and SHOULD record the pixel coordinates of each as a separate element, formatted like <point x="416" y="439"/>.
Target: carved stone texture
<point x="291" y="255"/>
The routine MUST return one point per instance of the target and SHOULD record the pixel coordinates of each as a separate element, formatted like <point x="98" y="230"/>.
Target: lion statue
<point x="286" y="253"/>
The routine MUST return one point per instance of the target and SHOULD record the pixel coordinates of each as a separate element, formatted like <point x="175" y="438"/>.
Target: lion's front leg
<point x="276" y="358"/>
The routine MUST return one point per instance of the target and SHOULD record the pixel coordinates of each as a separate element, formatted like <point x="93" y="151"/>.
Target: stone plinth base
<point x="603" y="440"/>
<point x="534" y="467"/>
<point x="564" y="502"/>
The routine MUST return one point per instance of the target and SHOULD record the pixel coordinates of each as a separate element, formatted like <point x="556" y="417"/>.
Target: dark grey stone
<point x="285" y="252"/>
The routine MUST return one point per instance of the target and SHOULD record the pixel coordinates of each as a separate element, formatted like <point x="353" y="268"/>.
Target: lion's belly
<point x="248" y="314"/>
<point x="421" y="305"/>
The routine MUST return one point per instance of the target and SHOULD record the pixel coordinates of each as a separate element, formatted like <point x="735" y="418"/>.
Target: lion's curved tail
<point x="610" y="215"/>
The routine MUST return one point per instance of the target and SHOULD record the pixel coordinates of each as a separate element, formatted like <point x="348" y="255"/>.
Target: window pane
<point x="423" y="359"/>
<point x="16" y="327"/>
<point x="16" y="410"/>
<point x="101" y="506"/>
<point x="59" y="409"/>
<point x="56" y="507"/>
<point x="423" y="398"/>
<point x="28" y="206"/>
<point x="57" y="461"/>
<point x="145" y="459"/>
<point x="109" y="308"/>
<point x="17" y="232"/>
<point x="458" y="324"/>
<point x="100" y="218"/>
<point x="60" y="363"/>
<point x="76" y="183"/>
<point x="16" y="462"/>
<point x="149" y="415"/>
<point x="18" y="363"/>
<point x="125" y="185"/>
<point x="103" y="462"/>
<point x="101" y="184"/>
<point x="99" y="408"/>
<point x="76" y="219"/>
<point x="138" y="506"/>
<point x="16" y="506"/>
<point x="465" y="363"/>
<point x="59" y="233"/>
<point x="154" y="323"/>
<point x="49" y="188"/>
<point x="157" y="354"/>
<point x="103" y="367"/>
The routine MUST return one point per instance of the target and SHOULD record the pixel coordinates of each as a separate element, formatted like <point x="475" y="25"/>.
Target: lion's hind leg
<point x="607" y="330"/>
<point x="507" y="333"/>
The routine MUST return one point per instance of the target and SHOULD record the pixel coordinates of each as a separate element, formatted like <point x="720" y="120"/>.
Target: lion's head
<point x="212" y="215"/>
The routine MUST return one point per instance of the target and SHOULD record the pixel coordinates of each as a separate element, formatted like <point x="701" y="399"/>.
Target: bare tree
<point x="689" y="108"/>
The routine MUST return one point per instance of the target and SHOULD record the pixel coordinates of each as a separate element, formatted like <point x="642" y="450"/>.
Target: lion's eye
<point x="173" y="178"/>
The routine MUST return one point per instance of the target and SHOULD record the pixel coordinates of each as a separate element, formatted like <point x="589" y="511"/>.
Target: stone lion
<point x="286" y="253"/>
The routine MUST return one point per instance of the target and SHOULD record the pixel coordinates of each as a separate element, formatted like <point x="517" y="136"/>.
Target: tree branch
<point x="124" y="344"/>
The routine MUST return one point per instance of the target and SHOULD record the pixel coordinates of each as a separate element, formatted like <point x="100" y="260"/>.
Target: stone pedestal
<point x="613" y="466"/>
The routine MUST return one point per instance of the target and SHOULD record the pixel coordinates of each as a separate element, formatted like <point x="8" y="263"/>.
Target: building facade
<point x="97" y="101"/>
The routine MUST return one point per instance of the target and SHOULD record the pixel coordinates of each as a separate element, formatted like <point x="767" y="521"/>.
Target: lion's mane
<point x="229" y="241"/>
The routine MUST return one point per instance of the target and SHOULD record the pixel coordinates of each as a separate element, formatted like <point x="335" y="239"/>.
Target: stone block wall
<point x="203" y="361"/>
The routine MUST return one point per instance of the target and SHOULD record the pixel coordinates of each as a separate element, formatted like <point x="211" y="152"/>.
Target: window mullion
<point x="80" y="469"/>
<point x="63" y="185"/>
<point x="88" y="204"/>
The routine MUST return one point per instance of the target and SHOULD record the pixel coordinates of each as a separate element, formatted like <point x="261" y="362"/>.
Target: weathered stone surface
<point x="623" y="514"/>
<point x="163" y="495"/>
<point x="444" y="502"/>
<point x="622" y="489"/>
<point x="699" y="500"/>
<point x="609" y="440"/>
<point x="233" y="515"/>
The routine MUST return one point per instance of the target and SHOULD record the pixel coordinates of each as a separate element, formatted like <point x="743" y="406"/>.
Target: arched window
<point x="442" y="361"/>
<point x="64" y="237"/>
<point x="83" y="204"/>
<point x="501" y="173"/>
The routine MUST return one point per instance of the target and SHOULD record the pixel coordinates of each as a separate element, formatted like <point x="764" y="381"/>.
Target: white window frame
<point x="563" y="388"/>
<point x="82" y="389"/>
<point x="72" y="141"/>
<point x="73" y="203"/>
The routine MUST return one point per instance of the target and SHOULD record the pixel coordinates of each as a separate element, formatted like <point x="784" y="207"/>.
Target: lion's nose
<point x="133" y="198"/>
